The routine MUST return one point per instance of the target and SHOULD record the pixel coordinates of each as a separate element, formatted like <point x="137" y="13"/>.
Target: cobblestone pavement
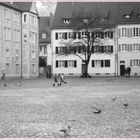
<point x="37" y="110"/>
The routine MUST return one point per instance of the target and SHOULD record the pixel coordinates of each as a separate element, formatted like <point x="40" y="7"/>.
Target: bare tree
<point x="88" y="34"/>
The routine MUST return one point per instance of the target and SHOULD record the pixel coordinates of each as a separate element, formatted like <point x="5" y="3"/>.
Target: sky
<point x="46" y="7"/>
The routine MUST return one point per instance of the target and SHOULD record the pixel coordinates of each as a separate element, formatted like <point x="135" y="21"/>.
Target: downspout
<point x="117" y="50"/>
<point x="21" y="48"/>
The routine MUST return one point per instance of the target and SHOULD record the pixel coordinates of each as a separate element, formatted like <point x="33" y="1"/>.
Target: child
<point x="62" y="79"/>
<point x="55" y="80"/>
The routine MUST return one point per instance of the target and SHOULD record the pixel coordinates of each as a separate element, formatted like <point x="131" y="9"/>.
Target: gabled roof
<point x="44" y="27"/>
<point x="114" y="11"/>
<point x="20" y="6"/>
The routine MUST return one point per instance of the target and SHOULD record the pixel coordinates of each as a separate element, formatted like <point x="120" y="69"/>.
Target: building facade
<point x="119" y="48"/>
<point x="45" y="44"/>
<point x="19" y="39"/>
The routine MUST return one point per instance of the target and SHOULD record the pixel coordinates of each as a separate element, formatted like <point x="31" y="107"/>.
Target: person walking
<point x="62" y="79"/>
<point x="55" y="80"/>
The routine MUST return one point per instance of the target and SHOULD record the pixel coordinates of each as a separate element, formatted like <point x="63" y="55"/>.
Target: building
<point x="44" y="44"/>
<point x="19" y="39"/>
<point x="117" y="50"/>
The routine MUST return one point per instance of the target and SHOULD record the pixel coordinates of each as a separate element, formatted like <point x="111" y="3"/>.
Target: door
<point x="122" y="70"/>
<point x="83" y="69"/>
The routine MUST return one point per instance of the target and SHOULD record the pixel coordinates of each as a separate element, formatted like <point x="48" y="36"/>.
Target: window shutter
<point x="74" y="35"/>
<point x="92" y="63"/>
<point x="65" y="35"/>
<point x="111" y="49"/>
<point x="66" y="63"/>
<point x="119" y="47"/>
<point x="102" y="35"/>
<point x="130" y="47"/>
<point x="102" y="63"/>
<point x="56" y="63"/>
<point x="56" y="50"/>
<point x="79" y="35"/>
<point x="56" y="36"/>
<point x="102" y="49"/>
<point x="127" y="31"/>
<point x="111" y="35"/>
<point x="131" y="63"/>
<point x="119" y="34"/>
<point x="75" y="63"/>
<point x="130" y="32"/>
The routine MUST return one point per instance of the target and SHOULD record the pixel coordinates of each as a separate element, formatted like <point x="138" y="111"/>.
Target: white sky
<point x="46" y="7"/>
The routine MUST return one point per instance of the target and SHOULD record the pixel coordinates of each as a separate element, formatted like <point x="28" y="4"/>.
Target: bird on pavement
<point x="4" y="84"/>
<point x="66" y="131"/>
<point x="98" y="111"/>
<point x="126" y="104"/>
<point x="114" y="98"/>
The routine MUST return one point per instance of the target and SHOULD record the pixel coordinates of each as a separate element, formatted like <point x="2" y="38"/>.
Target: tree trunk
<point x="85" y="74"/>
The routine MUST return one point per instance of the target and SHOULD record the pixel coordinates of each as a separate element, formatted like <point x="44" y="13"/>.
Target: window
<point x="66" y="63"/>
<point x="107" y="63"/>
<point x="100" y="63"/>
<point x="66" y="20"/>
<point x="33" y="37"/>
<point x="135" y="32"/>
<point x="103" y="19"/>
<point x="85" y="20"/>
<point x="45" y="49"/>
<point x="33" y="54"/>
<point x="17" y="54"/>
<point x="7" y="53"/>
<point x="135" y="63"/>
<point x="43" y="35"/>
<point x="7" y="32"/>
<point x="7" y="68"/>
<point x="124" y="34"/>
<point x="127" y="16"/>
<point x="17" y="69"/>
<point x="25" y="18"/>
<point x="16" y="35"/>
<point x="97" y="63"/>
<point x="33" y="68"/>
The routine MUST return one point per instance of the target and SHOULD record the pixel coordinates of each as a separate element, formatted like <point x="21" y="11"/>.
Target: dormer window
<point x="138" y="15"/>
<point x="85" y="20"/>
<point x="103" y="19"/>
<point x="66" y="20"/>
<point x="43" y="35"/>
<point x="127" y="16"/>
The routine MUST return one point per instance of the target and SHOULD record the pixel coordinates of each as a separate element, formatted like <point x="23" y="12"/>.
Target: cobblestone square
<point x="36" y="109"/>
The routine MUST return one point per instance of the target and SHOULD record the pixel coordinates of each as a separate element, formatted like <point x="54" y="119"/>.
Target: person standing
<point x="128" y="71"/>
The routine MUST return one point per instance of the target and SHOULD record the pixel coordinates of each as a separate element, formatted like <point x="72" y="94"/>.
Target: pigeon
<point x="66" y="131"/>
<point x="114" y="99"/>
<point x="98" y="111"/>
<point x="126" y="104"/>
<point x="4" y="85"/>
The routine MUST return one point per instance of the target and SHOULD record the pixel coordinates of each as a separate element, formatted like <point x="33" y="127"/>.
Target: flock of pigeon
<point x="67" y="130"/>
<point x="18" y="84"/>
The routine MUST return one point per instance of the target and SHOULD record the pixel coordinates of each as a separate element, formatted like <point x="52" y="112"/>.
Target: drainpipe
<point x="21" y="48"/>
<point x="117" y="51"/>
